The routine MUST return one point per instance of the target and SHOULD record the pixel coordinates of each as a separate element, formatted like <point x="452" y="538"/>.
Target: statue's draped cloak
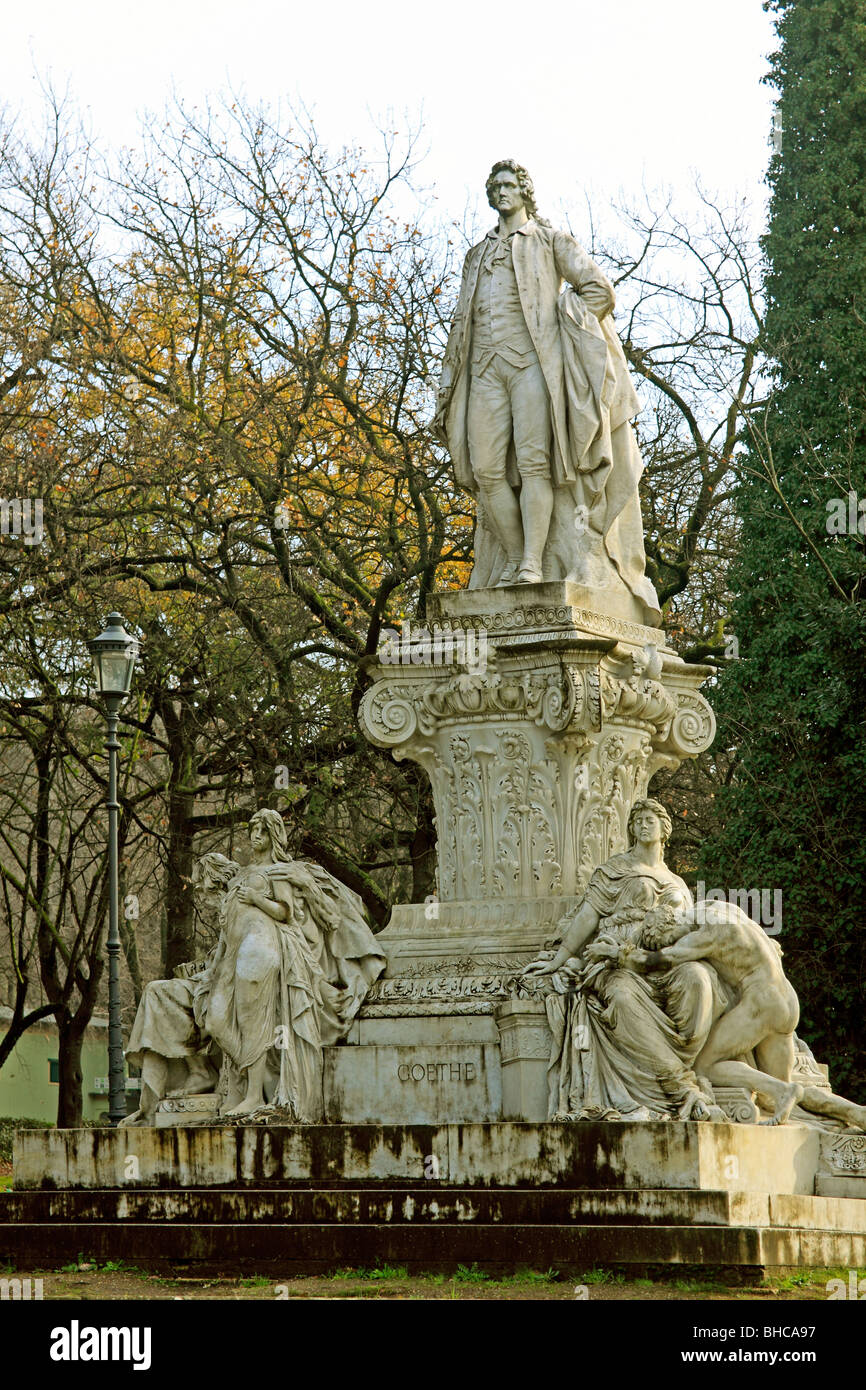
<point x="624" y="1043"/>
<point x="595" y="464"/>
<point x="320" y="963"/>
<point x="165" y="1022"/>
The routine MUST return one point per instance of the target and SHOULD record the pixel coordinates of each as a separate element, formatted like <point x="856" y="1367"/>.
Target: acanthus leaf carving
<point x="536" y="760"/>
<point x="391" y="713"/>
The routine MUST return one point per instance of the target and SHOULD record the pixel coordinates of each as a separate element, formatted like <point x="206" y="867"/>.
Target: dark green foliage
<point x="794" y="707"/>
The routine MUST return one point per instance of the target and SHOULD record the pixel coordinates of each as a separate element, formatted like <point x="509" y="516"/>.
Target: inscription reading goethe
<point x="436" y="1071"/>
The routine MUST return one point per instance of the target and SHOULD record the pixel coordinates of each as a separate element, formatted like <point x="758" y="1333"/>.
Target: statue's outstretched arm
<point x="576" y="928"/>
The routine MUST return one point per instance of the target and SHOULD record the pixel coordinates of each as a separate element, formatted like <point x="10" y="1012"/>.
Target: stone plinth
<point x="525" y="1045"/>
<point x="425" y="1083"/>
<point x="535" y="755"/>
<point x="188" y="1110"/>
<point x="293" y="1199"/>
<point x="540" y="713"/>
<point x="557" y="609"/>
<point x="622" y="1156"/>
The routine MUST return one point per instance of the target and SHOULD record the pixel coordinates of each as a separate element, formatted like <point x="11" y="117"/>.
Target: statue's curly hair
<point x="661" y="926"/>
<point x="524" y="181"/>
<point x="213" y="870"/>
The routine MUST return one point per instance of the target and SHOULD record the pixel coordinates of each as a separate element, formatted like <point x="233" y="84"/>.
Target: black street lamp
<point x="114" y="653"/>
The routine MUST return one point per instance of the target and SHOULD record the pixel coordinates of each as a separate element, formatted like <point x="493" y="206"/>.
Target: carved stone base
<point x="842" y="1165"/>
<point x="525" y="1045"/>
<point x="187" y="1110"/>
<point x="291" y="1200"/>
<point x="463" y="951"/>
<point x="535" y="754"/>
<point x="536" y="751"/>
<point x="419" y="1083"/>
<point x="624" y="1156"/>
<point x="555" y="609"/>
<point x="737" y="1103"/>
<point x="844" y="1154"/>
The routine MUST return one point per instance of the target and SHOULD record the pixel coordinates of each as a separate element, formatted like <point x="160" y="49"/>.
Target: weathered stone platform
<point x="300" y="1199"/>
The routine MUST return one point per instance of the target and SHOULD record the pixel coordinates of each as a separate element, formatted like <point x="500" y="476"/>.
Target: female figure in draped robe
<point x="625" y="1042"/>
<point x="167" y="1040"/>
<point x="296" y="959"/>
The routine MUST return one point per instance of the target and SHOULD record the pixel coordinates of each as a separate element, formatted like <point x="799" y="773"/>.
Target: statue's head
<point x="270" y="824"/>
<point x="213" y="872"/>
<point x="672" y="917"/>
<point x="639" y="821"/>
<point x="211" y="876"/>
<point x="510" y="171"/>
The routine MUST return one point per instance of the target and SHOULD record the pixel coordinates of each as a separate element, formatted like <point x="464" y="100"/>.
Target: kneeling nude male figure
<point x="763" y="1019"/>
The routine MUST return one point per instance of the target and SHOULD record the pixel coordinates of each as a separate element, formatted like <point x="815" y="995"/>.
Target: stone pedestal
<point x="525" y="1045"/>
<point x="300" y="1199"/>
<point x="540" y="714"/>
<point x="587" y="1157"/>
<point x="415" y="1084"/>
<point x="535" y="752"/>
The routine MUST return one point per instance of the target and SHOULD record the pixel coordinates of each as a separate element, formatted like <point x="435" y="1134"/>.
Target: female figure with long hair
<point x="297" y="959"/>
<point x="625" y="1042"/>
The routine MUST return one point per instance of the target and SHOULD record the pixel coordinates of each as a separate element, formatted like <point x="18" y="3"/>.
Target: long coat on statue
<point x="595" y="463"/>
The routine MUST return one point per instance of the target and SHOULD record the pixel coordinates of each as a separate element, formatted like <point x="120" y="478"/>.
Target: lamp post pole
<point x="114" y="653"/>
<point x="116" y="1077"/>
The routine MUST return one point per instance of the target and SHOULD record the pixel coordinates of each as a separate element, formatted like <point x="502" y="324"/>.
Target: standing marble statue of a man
<point x="534" y="405"/>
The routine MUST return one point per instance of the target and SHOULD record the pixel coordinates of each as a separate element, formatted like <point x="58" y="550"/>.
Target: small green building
<point x="29" y="1078"/>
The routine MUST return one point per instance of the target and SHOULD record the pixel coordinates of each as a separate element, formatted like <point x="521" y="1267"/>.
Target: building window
<point x="54" y="1070"/>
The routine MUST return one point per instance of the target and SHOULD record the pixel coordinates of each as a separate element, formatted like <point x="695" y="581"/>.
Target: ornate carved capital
<point x="536" y="760"/>
<point x="637" y="698"/>
<point x="395" y="710"/>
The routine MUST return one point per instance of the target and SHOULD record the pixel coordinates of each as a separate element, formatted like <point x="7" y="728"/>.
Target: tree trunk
<point x="21" y="1021"/>
<point x="179" y="911"/>
<point x="70" y="1101"/>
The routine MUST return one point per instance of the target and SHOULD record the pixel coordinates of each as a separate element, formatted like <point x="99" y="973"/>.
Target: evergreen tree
<point x="793" y="816"/>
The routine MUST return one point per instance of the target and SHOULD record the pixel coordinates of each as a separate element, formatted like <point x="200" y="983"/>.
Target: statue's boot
<point x="502" y="512"/>
<point x="536" y="509"/>
<point x="509" y="575"/>
<point x="531" y="572"/>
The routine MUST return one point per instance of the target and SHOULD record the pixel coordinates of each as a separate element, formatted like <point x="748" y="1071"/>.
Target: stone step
<point x="283" y="1250"/>
<point x="701" y="1157"/>
<point x="435" y="1203"/>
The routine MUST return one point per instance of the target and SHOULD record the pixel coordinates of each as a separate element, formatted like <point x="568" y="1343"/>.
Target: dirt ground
<point x="110" y="1282"/>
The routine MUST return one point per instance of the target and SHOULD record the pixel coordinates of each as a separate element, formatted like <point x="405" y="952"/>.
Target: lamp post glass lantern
<point x="113" y="653"/>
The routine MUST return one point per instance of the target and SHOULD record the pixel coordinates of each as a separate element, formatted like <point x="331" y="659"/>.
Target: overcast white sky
<point x="590" y="96"/>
